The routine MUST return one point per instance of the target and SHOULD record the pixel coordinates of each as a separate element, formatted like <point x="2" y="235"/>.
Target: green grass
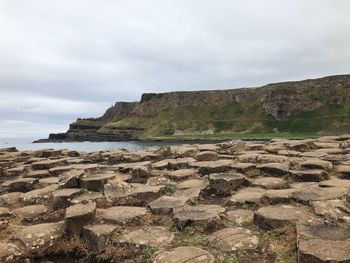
<point x="234" y="121"/>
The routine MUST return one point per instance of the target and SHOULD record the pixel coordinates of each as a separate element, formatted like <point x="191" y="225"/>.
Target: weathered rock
<point x="96" y="182"/>
<point x="9" y="252"/>
<point x="17" y="171"/>
<point x="180" y="163"/>
<point x="226" y="183"/>
<point x="281" y="215"/>
<point x="43" y="196"/>
<point x="121" y="193"/>
<point x="10" y="199"/>
<point x="279" y="196"/>
<point x="88" y="197"/>
<point x="5" y="212"/>
<point x="307" y="195"/>
<point x="37" y="238"/>
<point x="122" y="214"/>
<point x="233" y="239"/>
<point x="79" y="215"/>
<point x="56" y="171"/>
<point x="344" y="171"/>
<point x="48" y="164"/>
<point x="184" y="255"/>
<point x="194" y="183"/>
<point x="219" y="166"/>
<point x="320" y="243"/>
<point x="166" y="204"/>
<point x="274" y="169"/>
<point x="270" y="182"/>
<point x="151" y="236"/>
<point x="206" y="156"/>
<point x="31" y="213"/>
<point x="38" y="174"/>
<point x="336" y="183"/>
<point x="182" y="174"/>
<point x="239" y="217"/>
<point x="316" y="164"/>
<point x="44" y="182"/>
<point x="332" y="209"/>
<point x="248" y="196"/>
<point x="98" y="236"/>
<point x="70" y="179"/>
<point x="200" y="215"/>
<point x="309" y="175"/>
<point x="62" y="197"/>
<point x="21" y="184"/>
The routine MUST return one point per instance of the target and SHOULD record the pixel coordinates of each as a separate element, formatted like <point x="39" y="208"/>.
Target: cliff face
<point x="309" y="106"/>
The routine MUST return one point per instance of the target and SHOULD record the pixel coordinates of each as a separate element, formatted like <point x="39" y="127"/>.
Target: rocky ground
<point x="281" y="201"/>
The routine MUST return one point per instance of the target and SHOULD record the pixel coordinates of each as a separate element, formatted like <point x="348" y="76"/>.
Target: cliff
<point x="308" y="107"/>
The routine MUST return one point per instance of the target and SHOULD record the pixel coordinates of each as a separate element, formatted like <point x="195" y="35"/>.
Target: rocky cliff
<point x="315" y="106"/>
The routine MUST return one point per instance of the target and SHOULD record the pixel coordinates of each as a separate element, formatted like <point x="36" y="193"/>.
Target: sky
<point x="60" y="60"/>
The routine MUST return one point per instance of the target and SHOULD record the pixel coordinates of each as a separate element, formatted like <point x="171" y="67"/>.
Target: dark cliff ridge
<point x="272" y="104"/>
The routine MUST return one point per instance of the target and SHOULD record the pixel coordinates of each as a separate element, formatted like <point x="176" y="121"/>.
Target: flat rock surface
<point x="320" y="243"/>
<point x="281" y="215"/>
<point x="122" y="214"/>
<point x="270" y="182"/>
<point x="184" y="255"/>
<point x="234" y="239"/>
<point x="152" y="236"/>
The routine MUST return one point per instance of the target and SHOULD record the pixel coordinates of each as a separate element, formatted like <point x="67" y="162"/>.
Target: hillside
<point x="299" y="108"/>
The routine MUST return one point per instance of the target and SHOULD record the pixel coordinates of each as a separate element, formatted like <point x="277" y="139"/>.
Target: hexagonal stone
<point x="37" y="238"/>
<point x="321" y="243"/>
<point x="122" y="214"/>
<point x="152" y="236"/>
<point x="184" y="255"/>
<point x="239" y="216"/>
<point x="96" y="182"/>
<point x="5" y="212"/>
<point x="41" y="196"/>
<point x="278" y="196"/>
<point x="44" y="182"/>
<point x="62" y="197"/>
<point x="166" y="204"/>
<point x="48" y="164"/>
<point x="182" y="174"/>
<point x="233" y="239"/>
<point x="226" y="183"/>
<point x="70" y="179"/>
<point x="38" y="174"/>
<point x="89" y="197"/>
<point x="316" y="164"/>
<point x="344" y="171"/>
<point x="309" y="175"/>
<point x="17" y="171"/>
<point x="60" y="170"/>
<point x="307" y="195"/>
<point x="180" y="163"/>
<point x="9" y="252"/>
<point x="79" y="215"/>
<point x="336" y="183"/>
<point x="98" y="236"/>
<point x="219" y="166"/>
<point x="205" y="156"/>
<point x="247" y="196"/>
<point x="332" y="209"/>
<point x="274" y="169"/>
<point x="197" y="215"/>
<point x="21" y="184"/>
<point x="270" y="182"/>
<point x="10" y="199"/>
<point x="281" y="215"/>
<point x="31" y="213"/>
<point x="193" y="183"/>
<point x="121" y="193"/>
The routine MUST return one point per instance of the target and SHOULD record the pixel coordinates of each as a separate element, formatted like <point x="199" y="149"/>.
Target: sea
<point x="23" y="144"/>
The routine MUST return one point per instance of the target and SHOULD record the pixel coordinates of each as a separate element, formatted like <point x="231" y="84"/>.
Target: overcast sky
<point x="60" y="60"/>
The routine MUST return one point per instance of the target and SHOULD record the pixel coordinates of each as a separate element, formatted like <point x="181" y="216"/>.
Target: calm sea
<point x="26" y="144"/>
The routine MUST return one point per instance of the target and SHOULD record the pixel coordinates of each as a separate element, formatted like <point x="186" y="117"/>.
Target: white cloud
<point x="66" y="59"/>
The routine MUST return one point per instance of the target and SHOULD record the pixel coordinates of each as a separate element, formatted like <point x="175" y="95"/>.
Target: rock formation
<point x="315" y="106"/>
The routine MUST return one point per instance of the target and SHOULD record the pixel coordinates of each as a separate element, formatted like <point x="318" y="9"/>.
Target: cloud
<point x="70" y="59"/>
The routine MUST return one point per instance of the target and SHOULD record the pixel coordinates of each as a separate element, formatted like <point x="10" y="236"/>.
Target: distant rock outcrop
<point x="314" y="106"/>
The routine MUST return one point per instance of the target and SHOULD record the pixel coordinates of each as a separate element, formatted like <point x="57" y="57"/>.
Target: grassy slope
<point x="235" y="121"/>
